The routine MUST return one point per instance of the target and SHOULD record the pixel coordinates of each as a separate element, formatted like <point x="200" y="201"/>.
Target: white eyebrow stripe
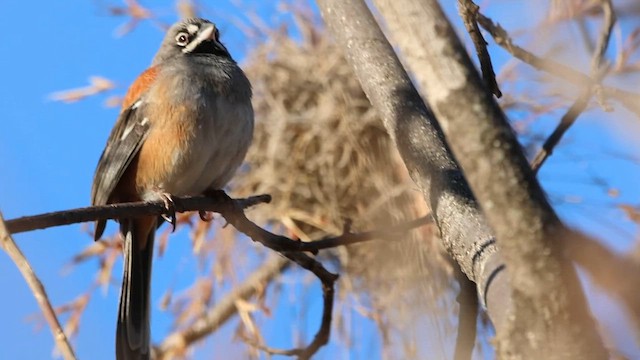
<point x="192" y="28"/>
<point x="202" y="36"/>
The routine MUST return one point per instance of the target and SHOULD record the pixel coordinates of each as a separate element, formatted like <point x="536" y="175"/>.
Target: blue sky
<point x="48" y="151"/>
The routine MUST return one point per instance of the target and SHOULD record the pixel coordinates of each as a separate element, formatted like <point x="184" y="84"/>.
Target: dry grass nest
<point x="323" y="154"/>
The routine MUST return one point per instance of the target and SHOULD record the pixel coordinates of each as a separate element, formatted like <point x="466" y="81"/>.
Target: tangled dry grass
<point x="323" y="154"/>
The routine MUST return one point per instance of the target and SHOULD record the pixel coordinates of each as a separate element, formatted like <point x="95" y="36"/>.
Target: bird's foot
<point x="205" y="216"/>
<point x="170" y="206"/>
<point x="218" y="195"/>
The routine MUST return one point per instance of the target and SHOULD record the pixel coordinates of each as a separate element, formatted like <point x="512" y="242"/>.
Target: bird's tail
<point x="133" y="329"/>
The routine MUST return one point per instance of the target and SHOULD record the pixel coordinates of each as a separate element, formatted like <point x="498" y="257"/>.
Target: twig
<point x="565" y="123"/>
<point x="235" y="216"/>
<point x="233" y="212"/>
<point x="67" y="217"/>
<point x="618" y="275"/>
<point x="628" y="99"/>
<point x="11" y="248"/>
<point x="469" y="13"/>
<point x="604" y="38"/>
<point x="231" y="209"/>
<point x="581" y="103"/>
<point x="349" y="238"/>
<point x="320" y="338"/>
<point x="176" y="343"/>
<point x="467" y="315"/>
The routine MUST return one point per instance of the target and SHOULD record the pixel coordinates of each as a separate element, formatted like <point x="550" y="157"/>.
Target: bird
<point x="185" y="126"/>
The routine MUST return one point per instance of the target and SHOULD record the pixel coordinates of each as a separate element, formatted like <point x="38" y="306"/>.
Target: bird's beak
<point x="205" y="34"/>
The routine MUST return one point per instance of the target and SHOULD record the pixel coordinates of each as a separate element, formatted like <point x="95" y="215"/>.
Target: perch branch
<point x="233" y="211"/>
<point x="114" y="211"/>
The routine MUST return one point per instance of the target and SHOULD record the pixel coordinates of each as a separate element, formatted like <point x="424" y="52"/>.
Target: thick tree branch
<point x="11" y="248"/>
<point x="421" y="144"/>
<point x="550" y="316"/>
<point x="389" y="90"/>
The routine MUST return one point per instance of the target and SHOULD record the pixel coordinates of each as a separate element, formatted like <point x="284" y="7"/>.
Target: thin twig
<point x="628" y="99"/>
<point x="609" y="19"/>
<point x="176" y="344"/>
<point x="320" y="338"/>
<point x="349" y="238"/>
<point x="469" y="13"/>
<point x="11" y="248"/>
<point x="583" y="100"/>
<point x="467" y="315"/>
<point x="565" y="123"/>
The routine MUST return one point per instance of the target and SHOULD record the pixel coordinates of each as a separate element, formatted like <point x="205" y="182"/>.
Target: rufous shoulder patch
<point x="139" y="86"/>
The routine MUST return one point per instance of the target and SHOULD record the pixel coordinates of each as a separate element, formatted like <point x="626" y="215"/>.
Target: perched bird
<point x="185" y="126"/>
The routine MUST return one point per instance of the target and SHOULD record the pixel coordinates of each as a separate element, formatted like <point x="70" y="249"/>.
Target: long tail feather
<point x="133" y="329"/>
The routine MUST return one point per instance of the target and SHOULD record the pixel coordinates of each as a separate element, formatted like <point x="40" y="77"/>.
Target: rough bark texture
<point x="421" y="144"/>
<point x="544" y="314"/>
<point x="419" y="139"/>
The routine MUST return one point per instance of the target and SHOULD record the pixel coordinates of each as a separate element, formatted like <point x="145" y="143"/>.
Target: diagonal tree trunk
<point x="538" y="308"/>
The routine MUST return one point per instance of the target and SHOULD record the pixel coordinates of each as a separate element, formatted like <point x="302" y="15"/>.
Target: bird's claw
<point x="170" y="206"/>
<point x="205" y="215"/>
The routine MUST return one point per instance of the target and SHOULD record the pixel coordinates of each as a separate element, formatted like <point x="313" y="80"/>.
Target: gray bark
<point x="538" y="309"/>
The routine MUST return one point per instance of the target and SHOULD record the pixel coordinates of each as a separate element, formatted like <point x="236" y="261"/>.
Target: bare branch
<point x="581" y="103"/>
<point x="233" y="211"/>
<point x="548" y="303"/>
<point x="604" y="38"/>
<point x="115" y="211"/>
<point x="467" y="316"/>
<point x="175" y="344"/>
<point x="349" y="238"/>
<point x="321" y="337"/>
<point x="616" y="274"/>
<point x="469" y="13"/>
<point x="628" y="99"/>
<point x="11" y="248"/>
<point x="565" y="123"/>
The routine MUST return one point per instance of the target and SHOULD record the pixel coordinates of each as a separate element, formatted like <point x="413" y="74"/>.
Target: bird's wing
<point x="123" y="144"/>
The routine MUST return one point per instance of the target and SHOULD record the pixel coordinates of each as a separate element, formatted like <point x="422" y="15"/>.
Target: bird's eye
<point x="182" y="39"/>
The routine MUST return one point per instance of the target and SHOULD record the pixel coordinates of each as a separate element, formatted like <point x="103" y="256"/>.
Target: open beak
<point x="205" y="34"/>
